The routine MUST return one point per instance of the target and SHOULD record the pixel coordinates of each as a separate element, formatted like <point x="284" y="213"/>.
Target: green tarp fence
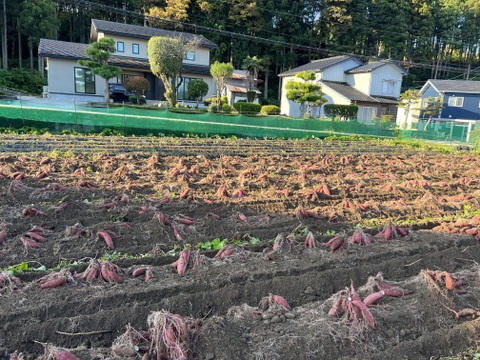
<point x="131" y="121"/>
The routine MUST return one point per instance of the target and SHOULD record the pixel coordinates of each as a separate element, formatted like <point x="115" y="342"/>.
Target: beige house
<point x="345" y="80"/>
<point x="237" y="87"/>
<point x="68" y="80"/>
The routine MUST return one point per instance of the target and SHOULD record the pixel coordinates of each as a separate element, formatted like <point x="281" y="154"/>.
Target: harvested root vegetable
<point x="273" y="300"/>
<point x="144" y="270"/>
<point x="172" y="336"/>
<point x="111" y="272"/>
<point x="348" y="303"/>
<point x="107" y="238"/>
<point x="215" y="216"/>
<point x="176" y="232"/>
<point x="75" y="230"/>
<point x="239" y="193"/>
<point x="162" y="218"/>
<point x="9" y="282"/>
<point x="3" y="236"/>
<point x="335" y="243"/>
<point x="222" y="192"/>
<point x="55" y="279"/>
<point x="310" y="241"/>
<point x="282" y="243"/>
<point x="360" y="237"/>
<point x="181" y="264"/>
<point x="243" y="218"/>
<point x="130" y="344"/>
<point x="302" y="213"/>
<point x="226" y="251"/>
<point x="31" y="211"/>
<point x="391" y="231"/>
<point x="373" y="298"/>
<point x="387" y="288"/>
<point x="55" y="353"/>
<point x="197" y="259"/>
<point x="92" y="272"/>
<point x="87" y="184"/>
<point x="29" y="243"/>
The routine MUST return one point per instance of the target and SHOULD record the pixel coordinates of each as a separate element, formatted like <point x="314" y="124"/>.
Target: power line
<point x="311" y="49"/>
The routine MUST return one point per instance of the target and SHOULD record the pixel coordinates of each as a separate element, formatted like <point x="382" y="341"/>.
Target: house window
<point x="455" y="101"/>
<point x="135" y="49"/>
<point x="189" y="55"/>
<point x="182" y="93"/>
<point x="84" y="81"/>
<point x="120" y="46"/>
<point x="388" y="87"/>
<point x="366" y="114"/>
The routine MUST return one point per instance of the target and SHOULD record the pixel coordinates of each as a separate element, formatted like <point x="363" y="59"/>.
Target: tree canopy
<point x="306" y="93"/>
<point x="99" y="53"/>
<point x="197" y="89"/>
<point x="221" y="72"/>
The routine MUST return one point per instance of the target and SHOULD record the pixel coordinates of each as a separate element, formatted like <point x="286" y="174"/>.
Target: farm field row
<point x="205" y="254"/>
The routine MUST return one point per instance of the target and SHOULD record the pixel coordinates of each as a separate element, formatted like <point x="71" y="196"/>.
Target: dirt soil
<point x="277" y="292"/>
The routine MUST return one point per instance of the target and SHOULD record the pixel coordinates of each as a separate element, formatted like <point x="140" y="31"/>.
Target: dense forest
<point x="430" y="38"/>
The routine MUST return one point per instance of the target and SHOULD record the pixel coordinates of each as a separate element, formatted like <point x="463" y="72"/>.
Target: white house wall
<point x="337" y="71"/>
<point x="288" y="107"/>
<point x="61" y="82"/>
<point x="386" y="73"/>
<point x="202" y="56"/>
<point x="360" y="82"/>
<point x="332" y="97"/>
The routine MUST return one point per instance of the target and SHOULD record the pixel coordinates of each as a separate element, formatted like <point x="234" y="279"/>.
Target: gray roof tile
<point x="353" y="94"/>
<point x="460" y="86"/>
<point x="143" y="32"/>
<point x="318" y="65"/>
<point x="75" y="51"/>
<point x="372" y="65"/>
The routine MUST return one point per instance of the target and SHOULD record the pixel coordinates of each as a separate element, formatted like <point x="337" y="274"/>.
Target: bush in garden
<point x="139" y="86"/>
<point x="197" y="89"/>
<point x="247" y="108"/>
<point x="344" y="112"/>
<point x="270" y="110"/>
<point x="227" y="108"/>
<point x="22" y="80"/>
<point x="138" y="100"/>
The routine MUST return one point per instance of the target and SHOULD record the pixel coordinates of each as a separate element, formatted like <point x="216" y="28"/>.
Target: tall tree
<point x="4" y="37"/>
<point x="166" y="56"/>
<point x="252" y="64"/>
<point x="221" y="72"/>
<point x="38" y="19"/>
<point x="99" y="53"/>
<point x="173" y="10"/>
<point x="305" y="93"/>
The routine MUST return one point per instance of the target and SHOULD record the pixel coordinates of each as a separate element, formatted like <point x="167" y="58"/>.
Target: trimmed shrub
<point x="344" y="112"/>
<point x="227" y="108"/>
<point x="139" y="86"/>
<point x="247" y="108"/>
<point x="270" y="110"/>
<point x="133" y="99"/>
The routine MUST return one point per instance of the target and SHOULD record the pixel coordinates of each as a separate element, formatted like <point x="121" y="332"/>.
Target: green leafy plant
<point x="215" y="244"/>
<point x="270" y="110"/>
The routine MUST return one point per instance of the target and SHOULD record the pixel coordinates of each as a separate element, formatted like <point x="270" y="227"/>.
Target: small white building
<point x="345" y="80"/>
<point x="68" y="80"/>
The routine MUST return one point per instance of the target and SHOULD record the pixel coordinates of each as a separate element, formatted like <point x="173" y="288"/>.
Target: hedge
<point x="270" y="110"/>
<point x="247" y="108"/>
<point x="341" y="111"/>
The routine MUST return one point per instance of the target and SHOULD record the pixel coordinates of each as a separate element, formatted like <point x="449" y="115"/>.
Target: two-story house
<point x="68" y="80"/>
<point x="345" y="80"/>
<point x="461" y="98"/>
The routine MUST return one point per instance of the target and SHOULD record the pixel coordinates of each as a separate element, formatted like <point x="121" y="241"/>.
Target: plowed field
<point x="82" y="216"/>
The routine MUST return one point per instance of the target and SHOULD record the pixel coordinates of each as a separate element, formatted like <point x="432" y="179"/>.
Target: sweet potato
<point x="65" y="355"/>
<point x="54" y="282"/>
<point x="29" y="243"/>
<point x="373" y="298"/>
<point x="107" y="238"/>
<point x="3" y="236"/>
<point x="36" y="236"/>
